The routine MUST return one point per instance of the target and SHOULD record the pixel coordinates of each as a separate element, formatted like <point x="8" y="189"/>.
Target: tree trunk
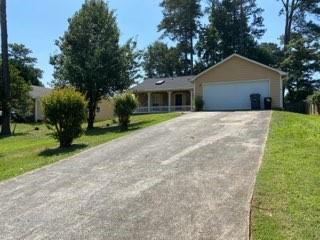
<point x="92" y="113"/>
<point x="191" y="54"/>
<point x="6" y="109"/>
<point x="186" y="67"/>
<point x="241" y="39"/>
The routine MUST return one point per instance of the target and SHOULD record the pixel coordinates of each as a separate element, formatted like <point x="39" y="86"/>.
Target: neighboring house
<point x="36" y="94"/>
<point x="225" y="86"/>
<point x="104" y="110"/>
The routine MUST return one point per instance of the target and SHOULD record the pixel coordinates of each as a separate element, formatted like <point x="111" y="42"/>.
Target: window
<point x="98" y="109"/>
<point x="156" y="99"/>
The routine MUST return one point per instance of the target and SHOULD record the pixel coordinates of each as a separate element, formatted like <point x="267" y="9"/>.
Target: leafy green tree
<point x="132" y="61"/>
<point x="301" y="43"/>
<point x="65" y="111"/>
<point x="162" y="61"/>
<point x="124" y="106"/>
<point x="5" y="83"/>
<point x="20" y="100"/>
<point x="296" y="12"/>
<point x="234" y="27"/>
<point x="20" y="57"/>
<point x="208" y="47"/>
<point x="91" y="59"/>
<point x="181" y="23"/>
<point x="269" y="54"/>
<point x="302" y="62"/>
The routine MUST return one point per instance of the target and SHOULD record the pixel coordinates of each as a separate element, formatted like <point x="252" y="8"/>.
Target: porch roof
<point x="165" y="84"/>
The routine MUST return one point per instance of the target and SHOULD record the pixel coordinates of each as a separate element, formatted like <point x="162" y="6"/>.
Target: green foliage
<point x="302" y="61"/>
<point x="181" y="23"/>
<point x="162" y="61"/>
<point x="131" y="61"/>
<point x="20" y="100"/>
<point x="315" y="99"/>
<point x="234" y="27"/>
<point x="20" y="57"/>
<point x="198" y="103"/>
<point x="91" y="59"/>
<point x="65" y="109"/>
<point x="124" y="106"/>
<point x="269" y="54"/>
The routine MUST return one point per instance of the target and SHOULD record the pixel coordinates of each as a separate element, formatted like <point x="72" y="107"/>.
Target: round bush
<point x="65" y="111"/>
<point x="198" y="103"/>
<point x="124" y="106"/>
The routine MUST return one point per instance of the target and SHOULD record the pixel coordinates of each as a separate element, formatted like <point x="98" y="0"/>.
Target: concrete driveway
<point x="189" y="178"/>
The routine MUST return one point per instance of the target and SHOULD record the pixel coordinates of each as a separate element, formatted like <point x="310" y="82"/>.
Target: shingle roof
<point x="38" y="92"/>
<point x="172" y="83"/>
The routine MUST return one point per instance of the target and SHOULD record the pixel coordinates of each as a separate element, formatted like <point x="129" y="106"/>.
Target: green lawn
<point x="286" y="203"/>
<point x="29" y="149"/>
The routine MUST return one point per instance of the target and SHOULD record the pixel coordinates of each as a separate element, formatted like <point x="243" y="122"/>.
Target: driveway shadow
<point x="112" y="129"/>
<point x="57" y="151"/>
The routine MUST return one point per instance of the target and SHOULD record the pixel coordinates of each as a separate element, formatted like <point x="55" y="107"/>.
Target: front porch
<point x="170" y="101"/>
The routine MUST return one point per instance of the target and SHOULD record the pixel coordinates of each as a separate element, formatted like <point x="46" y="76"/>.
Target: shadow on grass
<point x="60" y="151"/>
<point x="115" y="129"/>
<point x="13" y="135"/>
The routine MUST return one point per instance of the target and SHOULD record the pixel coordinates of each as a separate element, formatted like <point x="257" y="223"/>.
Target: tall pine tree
<point x="234" y="26"/>
<point x="181" y="24"/>
<point x="301" y="47"/>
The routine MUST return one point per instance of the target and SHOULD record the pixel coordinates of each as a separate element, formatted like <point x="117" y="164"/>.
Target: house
<point x="104" y="110"/>
<point x="165" y="94"/>
<point x="36" y="94"/>
<point x="224" y="86"/>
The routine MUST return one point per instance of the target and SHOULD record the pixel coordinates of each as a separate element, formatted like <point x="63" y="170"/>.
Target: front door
<point x="179" y="100"/>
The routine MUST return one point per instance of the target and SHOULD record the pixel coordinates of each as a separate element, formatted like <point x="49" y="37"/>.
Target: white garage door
<point x="233" y="96"/>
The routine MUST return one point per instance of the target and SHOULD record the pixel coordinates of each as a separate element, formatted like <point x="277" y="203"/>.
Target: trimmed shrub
<point x="124" y="106"/>
<point x="198" y="103"/>
<point x="65" y="111"/>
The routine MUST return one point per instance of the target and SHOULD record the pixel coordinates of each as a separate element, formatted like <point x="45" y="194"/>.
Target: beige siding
<point x="105" y="111"/>
<point x="238" y="69"/>
<point x="39" y="115"/>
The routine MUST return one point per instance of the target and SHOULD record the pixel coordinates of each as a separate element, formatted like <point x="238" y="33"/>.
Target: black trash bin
<point x="267" y="103"/>
<point x="255" y="101"/>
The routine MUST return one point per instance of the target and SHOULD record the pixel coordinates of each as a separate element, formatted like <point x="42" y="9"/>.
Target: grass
<point x="29" y="149"/>
<point x="286" y="203"/>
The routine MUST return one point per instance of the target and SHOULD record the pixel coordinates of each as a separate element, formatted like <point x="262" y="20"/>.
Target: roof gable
<point x="243" y="58"/>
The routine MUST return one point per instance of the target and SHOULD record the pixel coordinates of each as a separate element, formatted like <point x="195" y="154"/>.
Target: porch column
<point x="149" y="101"/>
<point x="35" y="110"/>
<point x="169" y="101"/>
<point x="191" y="100"/>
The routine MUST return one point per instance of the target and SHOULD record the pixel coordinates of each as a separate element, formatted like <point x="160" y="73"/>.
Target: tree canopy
<point x="162" y="61"/>
<point x="91" y="58"/>
<point x="234" y="27"/>
<point x="20" y="57"/>
<point x="181" y="21"/>
<point x="237" y="26"/>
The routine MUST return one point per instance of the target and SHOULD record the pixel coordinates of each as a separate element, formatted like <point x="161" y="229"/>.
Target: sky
<point x="38" y="23"/>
